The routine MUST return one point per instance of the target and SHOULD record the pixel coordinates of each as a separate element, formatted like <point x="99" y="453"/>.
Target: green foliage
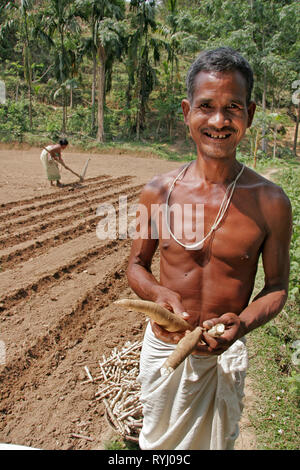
<point x="79" y="120"/>
<point x="289" y="181"/>
<point x="119" y="444"/>
<point x="14" y="120"/>
<point x="294" y="384"/>
<point x="47" y="46"/>
<point x="274" y="416"/>
<point x="274" y="348"/>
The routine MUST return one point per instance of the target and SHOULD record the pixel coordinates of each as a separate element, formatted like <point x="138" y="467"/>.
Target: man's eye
<point x="204" y="105"/>
<point x="233" y="106"/>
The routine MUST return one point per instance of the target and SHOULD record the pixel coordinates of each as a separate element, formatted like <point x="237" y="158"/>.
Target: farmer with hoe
<point x="208" y="278"/>
<point x="50" y="157"/>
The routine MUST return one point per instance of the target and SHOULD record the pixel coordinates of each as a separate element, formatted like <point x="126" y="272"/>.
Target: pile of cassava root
<point x="119" y="390"/>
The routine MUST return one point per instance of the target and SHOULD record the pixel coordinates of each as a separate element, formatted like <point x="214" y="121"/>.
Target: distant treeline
<point x="116" y="69"/>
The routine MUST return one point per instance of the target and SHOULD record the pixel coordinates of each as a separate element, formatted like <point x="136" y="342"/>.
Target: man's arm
<point x="275" y="256"/>
<point x="56" y="155"/>
<point x="276" y="263"/>
<point x="139" y="273"/>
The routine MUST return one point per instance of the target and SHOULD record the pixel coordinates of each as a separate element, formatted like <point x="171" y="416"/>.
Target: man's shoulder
<point x="271" y="196"/>
<point x="263" y="184"/>
<point x="159" y="184"/>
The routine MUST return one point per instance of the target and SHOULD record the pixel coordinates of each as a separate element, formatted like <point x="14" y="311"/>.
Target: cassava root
<point x="186" y="345"/>
<point x="172" y="323"/>
<point x="159" y="314"/>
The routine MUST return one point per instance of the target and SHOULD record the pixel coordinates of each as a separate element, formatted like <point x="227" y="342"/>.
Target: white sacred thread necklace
<point x="223" y="208"/>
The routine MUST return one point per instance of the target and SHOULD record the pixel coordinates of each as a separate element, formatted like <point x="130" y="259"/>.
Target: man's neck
<point x="217" y="171"/>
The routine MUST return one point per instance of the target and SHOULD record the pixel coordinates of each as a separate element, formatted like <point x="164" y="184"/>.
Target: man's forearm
<point x="265" y="306"/>
<point x="142" y="281"/>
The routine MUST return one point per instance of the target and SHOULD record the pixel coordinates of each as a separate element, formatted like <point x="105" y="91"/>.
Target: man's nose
<point x="219" y="119"/>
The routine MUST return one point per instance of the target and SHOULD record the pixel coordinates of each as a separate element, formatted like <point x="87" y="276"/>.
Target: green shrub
<point x="79" y="120"/>
<point x="14" y="120"/>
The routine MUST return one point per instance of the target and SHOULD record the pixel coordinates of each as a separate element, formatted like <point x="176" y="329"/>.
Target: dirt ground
<point x="58" y="282"/>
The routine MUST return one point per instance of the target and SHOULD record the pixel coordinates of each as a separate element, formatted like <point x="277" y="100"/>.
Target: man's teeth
<point x="218" y="136"/>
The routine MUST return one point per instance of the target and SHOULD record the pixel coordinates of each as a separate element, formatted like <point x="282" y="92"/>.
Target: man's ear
<point x="251" y="111"/>
<point x="185" y="105"/>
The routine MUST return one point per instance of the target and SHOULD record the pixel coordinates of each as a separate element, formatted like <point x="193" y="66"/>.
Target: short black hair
<point x="222" y="59"/>
<point x="63" y="142"/>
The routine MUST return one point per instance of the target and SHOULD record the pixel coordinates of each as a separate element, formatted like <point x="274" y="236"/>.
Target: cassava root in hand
<point x="172" y="323"/>
<point x="186" y="346"/>
<point x="163" y="317"/>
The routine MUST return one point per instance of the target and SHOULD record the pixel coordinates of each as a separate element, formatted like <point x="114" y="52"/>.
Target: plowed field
<point x="57" y="285"/>
<point x="58" y="282"/>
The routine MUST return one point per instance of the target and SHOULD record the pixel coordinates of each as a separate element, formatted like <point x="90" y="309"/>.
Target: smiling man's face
<point x="218" y="115"/>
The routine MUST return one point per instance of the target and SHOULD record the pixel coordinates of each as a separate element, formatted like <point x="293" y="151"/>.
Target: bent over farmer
<point x="50" y="157"/>
<point x="208" y="269"/>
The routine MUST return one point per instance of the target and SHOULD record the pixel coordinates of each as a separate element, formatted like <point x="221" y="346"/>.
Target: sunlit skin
<point x="218" y="109"/>
<point x="214" y="284"/>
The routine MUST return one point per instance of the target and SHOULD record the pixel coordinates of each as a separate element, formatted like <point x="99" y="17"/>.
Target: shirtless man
<point x="50" y="157"/>
<point x="213" y="282"/>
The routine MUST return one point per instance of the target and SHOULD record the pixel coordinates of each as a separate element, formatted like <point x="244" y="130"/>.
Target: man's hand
<point x="233" y="331"/>
<point x="166" y="336"/>
<point x="168" y="299"/>
<point x="171" y="301"/>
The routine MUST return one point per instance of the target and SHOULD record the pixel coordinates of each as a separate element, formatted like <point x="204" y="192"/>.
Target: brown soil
<point x="58" y="282"/>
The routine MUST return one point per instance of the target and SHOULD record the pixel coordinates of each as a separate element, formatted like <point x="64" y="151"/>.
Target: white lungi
<point x="50" y="165"/>
<point x="198" y="406"/>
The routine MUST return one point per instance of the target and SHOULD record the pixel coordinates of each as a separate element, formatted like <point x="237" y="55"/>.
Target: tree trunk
<point x="128" y="105"/>
<point x="64" y="124"/>
<point x="170" y="127"/>
<point x="275" y="142"/>
<point x="66" y="111"/>
<point x="296" y="131"/>
<point x="138" y="115"/>
<point x="255" y="149"/>
<point x="94" y="54"/>
<point x="264" y="140"/>
<point x="94" y="92"/>
<point x="28" y="68"/>
<point x="101" y="92"/>
<point x="30" y="107"/>
<point x="139" y="99"/>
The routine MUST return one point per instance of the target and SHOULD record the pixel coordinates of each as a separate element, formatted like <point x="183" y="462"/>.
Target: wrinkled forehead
<point x="213" y="85"/>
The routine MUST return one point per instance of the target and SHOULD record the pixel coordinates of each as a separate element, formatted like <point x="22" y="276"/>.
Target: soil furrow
<point x="56" y="210"/>
<point x="43" y="197"/>
<point x="34" y="233"/>
<point x="54" y="202"/>
<point x="21" y="255"/>
<point x="57" y="291"/>
<point x="37" y="287"/>
<point x="71" y="327"/>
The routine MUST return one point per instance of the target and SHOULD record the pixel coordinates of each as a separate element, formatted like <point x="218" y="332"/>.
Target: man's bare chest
<point x="187" y="231"/>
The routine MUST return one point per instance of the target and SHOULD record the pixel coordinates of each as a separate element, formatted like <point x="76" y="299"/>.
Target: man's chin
<point x="217" y="153"/>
